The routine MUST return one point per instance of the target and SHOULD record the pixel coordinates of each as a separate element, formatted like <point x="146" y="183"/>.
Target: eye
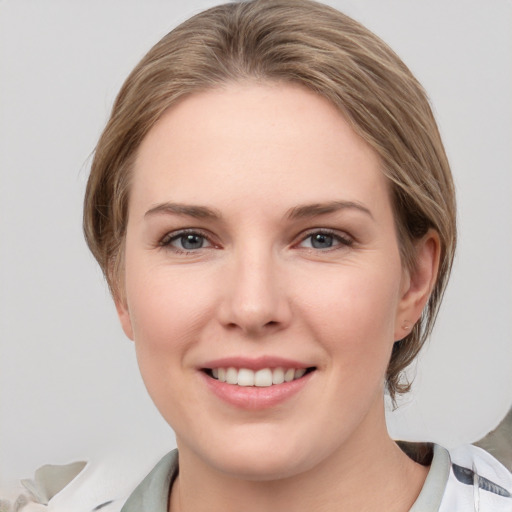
<point x="324" y="240"/>
<point x="185" y="241"/>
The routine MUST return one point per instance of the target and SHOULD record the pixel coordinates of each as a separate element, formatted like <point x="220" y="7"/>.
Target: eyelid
<point x="166" y="240"/>
<point x="344" y="238"/>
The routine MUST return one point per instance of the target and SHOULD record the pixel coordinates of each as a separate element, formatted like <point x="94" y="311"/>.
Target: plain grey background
<point x="69" y="382"/>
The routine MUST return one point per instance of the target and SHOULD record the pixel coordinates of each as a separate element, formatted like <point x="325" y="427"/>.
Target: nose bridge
<point x="256" y="299"/>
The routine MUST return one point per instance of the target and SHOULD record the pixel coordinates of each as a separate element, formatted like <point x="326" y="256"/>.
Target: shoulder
<point x="105" y="486"/>
<point x="152" y="494"/>
<point x="466" y="479"/>
<point x="476" y="481"/>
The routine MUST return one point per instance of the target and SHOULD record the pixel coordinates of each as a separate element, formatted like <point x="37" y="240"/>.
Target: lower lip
<point x="253" y="397"/>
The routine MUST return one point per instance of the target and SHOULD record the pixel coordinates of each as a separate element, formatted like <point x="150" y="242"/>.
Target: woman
<point x="273" y="209"/>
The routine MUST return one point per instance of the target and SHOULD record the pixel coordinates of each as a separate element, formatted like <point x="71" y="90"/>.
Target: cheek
<point x="355" y="314"/>
<point x="166" y="309"/>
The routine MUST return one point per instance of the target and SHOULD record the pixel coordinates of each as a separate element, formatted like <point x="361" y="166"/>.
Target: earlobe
<point x="418" y="283"/>
<point x="124" y="317"/>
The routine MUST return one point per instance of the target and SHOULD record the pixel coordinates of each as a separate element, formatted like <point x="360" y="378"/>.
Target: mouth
<point x="262" y="378"/>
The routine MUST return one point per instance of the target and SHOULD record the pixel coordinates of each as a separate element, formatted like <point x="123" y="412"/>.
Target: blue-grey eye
<point x="185" y="241"/>
<point x="191" y="241"/>
<point x="322" y="241"/>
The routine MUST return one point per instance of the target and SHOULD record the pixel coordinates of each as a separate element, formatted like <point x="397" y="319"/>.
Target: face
<point x="261" y="249"/>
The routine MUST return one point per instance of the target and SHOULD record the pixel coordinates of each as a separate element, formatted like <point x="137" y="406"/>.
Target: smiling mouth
<point x="264" y="377"/>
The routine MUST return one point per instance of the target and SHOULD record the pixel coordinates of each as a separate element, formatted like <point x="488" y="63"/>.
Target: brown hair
<point x="306" y="43"/>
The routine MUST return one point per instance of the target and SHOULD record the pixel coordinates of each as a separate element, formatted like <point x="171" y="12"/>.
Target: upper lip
<point x="254" y="363"/>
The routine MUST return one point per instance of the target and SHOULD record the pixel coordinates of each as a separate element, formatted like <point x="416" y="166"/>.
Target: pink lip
<point x="254" y="364"/>
<point x="252" y="397"/>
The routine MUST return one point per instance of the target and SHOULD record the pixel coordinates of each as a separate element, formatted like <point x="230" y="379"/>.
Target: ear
<point x="417" y="284"/>
<point x="124" y="316"/>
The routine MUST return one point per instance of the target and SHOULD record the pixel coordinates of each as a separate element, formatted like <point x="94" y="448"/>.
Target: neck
<point x="366" y="473"/>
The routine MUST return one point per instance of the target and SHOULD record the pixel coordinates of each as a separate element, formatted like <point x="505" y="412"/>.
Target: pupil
<point x="192" y="241"/>
<point x="321" y="241"/>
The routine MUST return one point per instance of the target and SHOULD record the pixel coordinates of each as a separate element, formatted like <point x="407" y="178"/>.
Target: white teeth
<point x="278" y="376"/>
<point x="231" y="376"/>
<point x="260" y="378"/>
<point x="245" y="377"/>
<point x="299" y="373"/>
<point x="263" y="378"/>
<point x="289" y="375"/>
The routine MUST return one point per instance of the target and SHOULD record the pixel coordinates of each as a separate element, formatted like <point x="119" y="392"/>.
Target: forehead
<point x="277" y="142"/>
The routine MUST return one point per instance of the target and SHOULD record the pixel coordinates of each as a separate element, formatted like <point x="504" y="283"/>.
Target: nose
<point x="255" y="299"/>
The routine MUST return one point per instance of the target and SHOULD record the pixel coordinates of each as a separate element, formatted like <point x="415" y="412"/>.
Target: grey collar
<point x="432" y="492"/>
<point x="152" y="494"/>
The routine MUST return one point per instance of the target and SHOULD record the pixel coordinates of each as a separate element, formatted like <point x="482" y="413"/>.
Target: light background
<point x="69" y="383"/>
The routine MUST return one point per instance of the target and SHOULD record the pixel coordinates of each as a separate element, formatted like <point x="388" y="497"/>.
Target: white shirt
<point x="466" y="479"/>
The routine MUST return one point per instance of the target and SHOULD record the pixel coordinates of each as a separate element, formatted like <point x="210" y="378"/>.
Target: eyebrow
<point x="312" y="210"/>
<point x="198" y="212"/>
<point x="298" y="212"/>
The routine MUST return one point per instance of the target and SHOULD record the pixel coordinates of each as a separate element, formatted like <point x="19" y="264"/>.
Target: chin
<point x="261" y="467"/>
<point x="262" y="456"/>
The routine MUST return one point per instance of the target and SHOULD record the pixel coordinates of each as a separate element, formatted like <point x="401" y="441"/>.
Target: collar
<point x="152" y="494"/>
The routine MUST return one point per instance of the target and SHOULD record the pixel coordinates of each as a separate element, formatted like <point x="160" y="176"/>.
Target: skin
<point x="254" y="153"/>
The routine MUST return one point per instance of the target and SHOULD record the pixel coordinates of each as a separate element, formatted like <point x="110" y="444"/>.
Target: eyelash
<point x="169" y="238"/>
<point x="343" y="240"/>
